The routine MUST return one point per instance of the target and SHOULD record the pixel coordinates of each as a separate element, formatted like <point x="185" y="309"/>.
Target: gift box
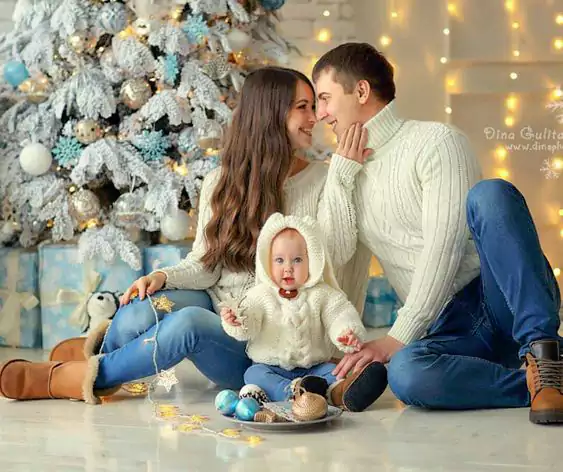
<point x="65" y="285"/>
<point x="164" y="255"/>
<point x="20" y="315"/>
<point x="382" y="303"/>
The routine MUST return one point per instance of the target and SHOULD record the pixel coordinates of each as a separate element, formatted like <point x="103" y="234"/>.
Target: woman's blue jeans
<point x="192" y="331"/>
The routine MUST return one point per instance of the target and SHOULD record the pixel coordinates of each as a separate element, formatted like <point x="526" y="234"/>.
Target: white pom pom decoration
<point x="254" y="391"/>
<point x="35" y="159"/>
<point x="177" y="226"/>
<point x="238" y="39"/>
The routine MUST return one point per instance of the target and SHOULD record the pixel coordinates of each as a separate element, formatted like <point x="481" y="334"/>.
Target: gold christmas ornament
<point x="85" y="207"/>
<point x="88" y="131"/>
<point x="81" y="42"/>
<point x="309" y="406"/>
<point x="135" y="93"/>
<point x="37" y="90"/>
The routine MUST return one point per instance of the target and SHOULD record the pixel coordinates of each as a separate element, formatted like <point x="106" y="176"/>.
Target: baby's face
<point x="289" y="263"/>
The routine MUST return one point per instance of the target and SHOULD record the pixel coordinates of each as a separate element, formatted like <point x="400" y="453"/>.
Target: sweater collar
<point x="383" y="126"/>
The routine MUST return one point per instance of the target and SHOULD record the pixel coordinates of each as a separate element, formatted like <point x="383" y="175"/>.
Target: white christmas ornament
<point x="35" y="159"/>
<point x="238" y="39"/>
<point x="177" y="226"/>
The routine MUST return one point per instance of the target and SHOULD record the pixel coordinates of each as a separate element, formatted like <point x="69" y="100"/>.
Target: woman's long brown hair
<point x="256" y="161"/>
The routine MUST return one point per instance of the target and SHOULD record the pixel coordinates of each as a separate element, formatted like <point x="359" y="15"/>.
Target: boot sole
<point x="546" y="417"/>
<point x="366" y="389"/>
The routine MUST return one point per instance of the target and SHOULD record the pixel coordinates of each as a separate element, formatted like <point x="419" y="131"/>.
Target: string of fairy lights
<point x="512" y="107"/>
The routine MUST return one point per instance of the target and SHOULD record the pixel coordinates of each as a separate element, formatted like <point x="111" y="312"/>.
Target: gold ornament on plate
<point x="135" y="93"/>
<point x="37" y="90"/>
<point x="88" y="131"/>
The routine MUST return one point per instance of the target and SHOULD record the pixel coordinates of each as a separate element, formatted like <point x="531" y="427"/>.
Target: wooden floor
<point x="124" y="434"/>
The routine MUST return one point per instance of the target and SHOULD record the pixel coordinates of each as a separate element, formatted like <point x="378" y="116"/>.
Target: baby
<point x="296" y="317"/>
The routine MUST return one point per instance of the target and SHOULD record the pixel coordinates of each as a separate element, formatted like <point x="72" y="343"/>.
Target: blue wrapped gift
<point x="164" y="255"/>
<point x="382" y="303"/>
<point x="65" y="285"/>
<point x="20" y="315"/>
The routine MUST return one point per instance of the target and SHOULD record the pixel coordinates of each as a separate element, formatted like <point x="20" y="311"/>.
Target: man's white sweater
<point x="411" y="211"/>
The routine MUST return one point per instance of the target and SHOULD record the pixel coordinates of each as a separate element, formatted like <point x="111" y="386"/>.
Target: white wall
<point x="474" y="82"/>
<point x="6" y="8"/>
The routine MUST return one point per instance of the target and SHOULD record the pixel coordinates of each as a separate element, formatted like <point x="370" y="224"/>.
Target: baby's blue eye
<point x="279" y="260"/>
<point x="298" y="260"/>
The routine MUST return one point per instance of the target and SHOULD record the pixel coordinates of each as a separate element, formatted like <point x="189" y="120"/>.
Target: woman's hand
<point x="229" y="316"/>
<point x="353" y="142"/>
<point x="147" y="284"/>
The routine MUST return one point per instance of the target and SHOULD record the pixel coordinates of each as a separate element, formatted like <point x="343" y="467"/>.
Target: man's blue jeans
<point x="193" y="331"/>
<point x="471" y="355"/>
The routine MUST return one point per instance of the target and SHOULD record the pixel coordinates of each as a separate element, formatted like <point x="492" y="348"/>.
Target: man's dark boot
<point x="544" y="375"/>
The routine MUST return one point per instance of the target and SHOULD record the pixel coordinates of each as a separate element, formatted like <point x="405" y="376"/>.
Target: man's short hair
<point x="352" y="62"/>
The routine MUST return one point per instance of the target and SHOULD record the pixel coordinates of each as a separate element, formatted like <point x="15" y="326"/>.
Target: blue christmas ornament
<point x="272" y="5"/>
<point x="67" y="151"/>
<point x="196" y="29"/>
<point x="151" y="144"/>
<point x="226" y="402"/>
<point x="171" y="68"/>
<point x="246" y="409"/>
<point x="15" y="73"/>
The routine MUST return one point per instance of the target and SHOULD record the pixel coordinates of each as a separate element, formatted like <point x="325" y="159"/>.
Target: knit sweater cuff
<point x="407" y="330"/>
<point x="344" y="169"/>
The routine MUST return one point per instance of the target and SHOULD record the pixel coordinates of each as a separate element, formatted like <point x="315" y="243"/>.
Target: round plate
<point x="332" y="414"/>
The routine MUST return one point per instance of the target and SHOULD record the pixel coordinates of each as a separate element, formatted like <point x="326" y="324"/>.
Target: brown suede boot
<point x="544" y="376"/>
<point x="80" y="349"/>
<point x="358" y="391"/>
<point x="24" y="380"/>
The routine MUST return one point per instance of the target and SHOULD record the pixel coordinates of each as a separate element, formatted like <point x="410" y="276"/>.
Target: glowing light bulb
<point x="557" y="163"/>
<point x="515" y="25"/>
<point x="394" y="14"/>
<point x="446" y="31"/>
<point x="326" y="13"/>
<point x="559" y="19"/>
<point x="509" y="121"/>
<point x="448" y="110"/>
<point x="509" y="5"/>
<point x="501" y="153"/>
<point x="385" y="40"/>
<point x="561" y="233"/>
<point x="323" y="36"/>
<point x="557" y="272"/>
<point x="557" y="93"/>
<point x="513" y="75"/>
<point x="558" y="43"/>
<point x="560" y="211"/>
<point x="443" y="60"/>
<point x="516" y="53"/>
<point x="452" y="8"/>
<point x="511" y="103"/>
<point x="451" y="83"/>
<point x="503" y="173"/>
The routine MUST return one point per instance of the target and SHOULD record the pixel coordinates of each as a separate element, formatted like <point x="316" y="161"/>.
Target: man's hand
<point x="379" y="350"/>
<point x="352" y="144"/>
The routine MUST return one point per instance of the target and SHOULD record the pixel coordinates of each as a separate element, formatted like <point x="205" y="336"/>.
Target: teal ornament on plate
<point x="246" y="409"/>
<point x="15" y="72"/>
<point x="226" y="402"/>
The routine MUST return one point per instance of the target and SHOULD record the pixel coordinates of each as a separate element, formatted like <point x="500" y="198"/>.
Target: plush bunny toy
<point x="101" y="306"/>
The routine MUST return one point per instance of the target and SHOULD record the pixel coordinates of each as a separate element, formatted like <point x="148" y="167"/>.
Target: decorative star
<point x="197" y="419"/>
<point x="231" y="433"/>
<point x="163" y="303"/>
<point x="167" y="379"/>
<point x="254" y="440"/>
<point x="188" y="427"/>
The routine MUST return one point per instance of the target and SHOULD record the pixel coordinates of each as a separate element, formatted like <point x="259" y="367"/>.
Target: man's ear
<point x="363" y="91"/>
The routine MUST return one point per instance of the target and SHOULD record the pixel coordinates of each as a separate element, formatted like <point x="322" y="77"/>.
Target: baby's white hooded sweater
<point x="298" y="332"/>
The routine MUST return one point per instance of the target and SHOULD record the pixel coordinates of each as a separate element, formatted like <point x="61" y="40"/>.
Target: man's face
<point x="335" y="107"/>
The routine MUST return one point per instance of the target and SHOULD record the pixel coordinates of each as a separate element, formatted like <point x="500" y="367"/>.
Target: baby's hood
<point x="320" y="265"/>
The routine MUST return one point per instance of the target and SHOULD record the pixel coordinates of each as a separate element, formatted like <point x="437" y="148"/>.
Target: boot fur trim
<point x="95" y="339"/>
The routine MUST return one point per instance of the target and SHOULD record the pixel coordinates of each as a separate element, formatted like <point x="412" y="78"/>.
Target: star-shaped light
<point x="163" y="303"/>
<point x="188" y="427"/>
<point x="167" y="379"/>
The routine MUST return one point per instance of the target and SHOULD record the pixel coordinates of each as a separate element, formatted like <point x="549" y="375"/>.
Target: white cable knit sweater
<point x="303" y="331"/>
<point x="319" y="191"/>
<point x="410" y="201"/>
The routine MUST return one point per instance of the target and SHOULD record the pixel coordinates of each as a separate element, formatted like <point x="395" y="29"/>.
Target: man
<point x="479" y="297"/>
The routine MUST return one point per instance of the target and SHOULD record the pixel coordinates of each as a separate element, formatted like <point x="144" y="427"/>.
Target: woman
<point x="263" y="171"/>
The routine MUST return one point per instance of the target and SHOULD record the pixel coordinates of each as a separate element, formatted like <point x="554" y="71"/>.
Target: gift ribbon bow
<point x="14" y="301"/>
<point x="79" y="316"/>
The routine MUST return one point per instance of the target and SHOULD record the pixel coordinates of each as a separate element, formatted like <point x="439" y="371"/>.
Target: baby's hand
<point x="348" y="338"/>
<point x="229" y="316"/>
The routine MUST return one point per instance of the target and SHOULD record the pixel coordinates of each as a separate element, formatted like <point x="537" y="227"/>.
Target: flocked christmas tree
<point x="113" y="112"/>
